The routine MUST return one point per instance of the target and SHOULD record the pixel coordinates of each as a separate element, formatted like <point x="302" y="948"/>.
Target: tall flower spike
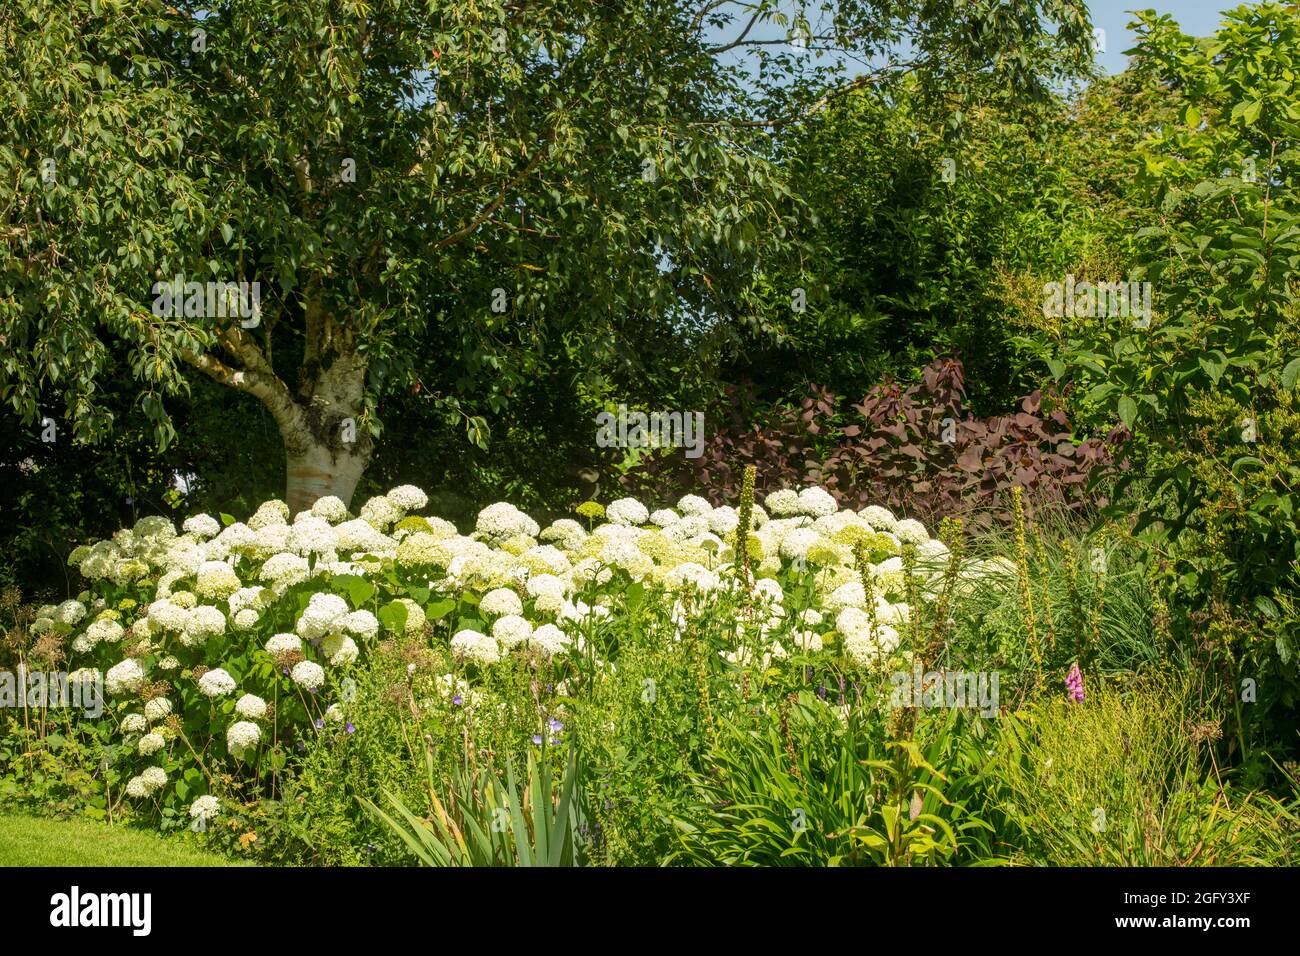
<point x="746" y="519"/>
<point x="1022" y="568"/>
<point x="1074" y="683"/>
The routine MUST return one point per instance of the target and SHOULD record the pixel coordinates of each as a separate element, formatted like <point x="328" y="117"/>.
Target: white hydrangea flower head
<point x="252" y="597"/>
<point x="408" y="497"/>
<point x="312" y="535"/>
<point x="217" y="580"/>
<point x="852" y="594"/>
<point x="549" y="640"/>
<point x="157" y="709"/>
<point x="692" y="575"/>
<point x="872" y="647"/>
<point x="420" y="548"/>
<point x="104" y="630"/>
<point x="270" y="539"/>
<point x="185" y="599"/>
<point x="154" y="779"/>
<point x="566" y="532"/>
<point x="769" y="591"/>
<point x="136" y="789"/>
<point x="504" y="520"/>
<point x="511" y="630"/>
<point x="242" y="736"/>
<point x="475" y="647"/>
<point x="627" y="511"/>
<point x="911" y="531"/>
<point x="218" y="549"/>
<point x="205" y="808"/>
<point x="694" y="505"/>
<point x="282" y="571"/>
<point x="546" y="558"/>
<point x="202" y="623"/>
<point x="880" y="519"/>
<point x="817" y="502"/>
<point x="216" y="683"/>
<point x="340" y="649"/>
<point x="591" y="569"/>
<point x="360" y="535"/>
<point x="308" y="675"/>
<point x="361" y="624"/>
<point x="70" y="613"/>
<point x="664" y="517"/>
<point x="783" y="503"/>
<point x="154" y="526"/>
<point x="150" y="744"/>
<point x="546" y="584"/>
<point x="134" y="723"/>
<point x="331" y="508"/>
<point x="269" y="513"/>
<point x="380" y="512"/>
<point x="897" y="613"/>
<point x="501" y="602"/>
<point x="251" y="707"/>
<point x="283" y="644"/>
<point x="795" y="545"/>
<point x="237" y="536"/>
<point x="723" y="520"/>
<point x="932" y="551"/>
<point x="245" y="620"/>
<point x="889" y="566"/>
<point x="549" y="603"/>
<point x="125" y="677"/>
<point x="202" y="526"/>
<point x="324" y="613"/>
<point x="808" y="640"/>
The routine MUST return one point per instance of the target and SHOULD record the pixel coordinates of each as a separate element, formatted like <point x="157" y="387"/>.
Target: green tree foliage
<point x="1208" y="385"/>
<point x="462" y="183"/>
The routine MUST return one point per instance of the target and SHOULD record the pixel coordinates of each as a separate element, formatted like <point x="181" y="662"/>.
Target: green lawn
<point x="33" y="841"/>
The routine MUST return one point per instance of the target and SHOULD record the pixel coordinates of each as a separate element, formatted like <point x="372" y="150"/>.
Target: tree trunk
<point x="326" y="446"/>
<point x="316" y="469"/>
<point x="321" y="423"/>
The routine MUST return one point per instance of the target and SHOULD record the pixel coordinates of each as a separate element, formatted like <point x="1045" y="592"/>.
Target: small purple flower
<point x="821" y="691"/>
<point x="457" y="700"/>
<point x="1074" y="683"/>
<point x="537" y="739"/>
<point x="284" y="671"/>
<point x="320" y="722"/>
<point x="349" y="728"/>
<point x="554" y="725"/>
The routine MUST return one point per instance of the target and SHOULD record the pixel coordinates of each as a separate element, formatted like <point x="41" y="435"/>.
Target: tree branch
<point x="490" y="210"/>
<point x="867" y="79"/>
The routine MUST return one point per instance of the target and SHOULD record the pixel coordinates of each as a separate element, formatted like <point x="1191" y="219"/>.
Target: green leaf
<point x="440" y="609"/>
<point x="476" y="429"/>
<point x="1291" y="374"/>
<point x="393" y="616"/>
<point x="1127" y="411"/>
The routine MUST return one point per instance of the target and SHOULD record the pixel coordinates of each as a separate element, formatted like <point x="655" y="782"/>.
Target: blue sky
<point x="1197" y="17"/>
